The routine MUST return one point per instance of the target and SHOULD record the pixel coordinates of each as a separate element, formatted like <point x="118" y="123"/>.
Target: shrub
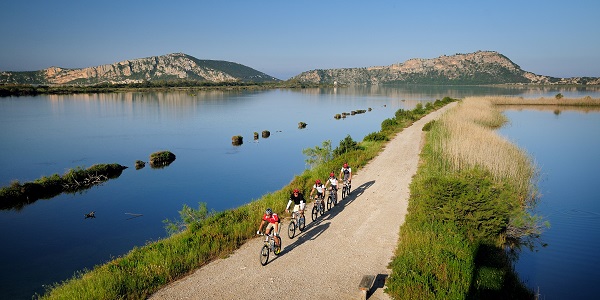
<point x="428" y="126"/>
<point x="388" y="124"/>
<point x="403" y="114"/>
<point x="346" y="145"/>
<point x="162" y="156"/>
<point x="318" y="155"/>
<point x="375" y="137"/>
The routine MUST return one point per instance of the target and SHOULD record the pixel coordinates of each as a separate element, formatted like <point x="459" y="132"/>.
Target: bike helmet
<point x="345" y="165"/>
<point x="318" y="181"/>
<point x="331" y="174"/>
<point x="269" y="211"/>
<point x="296" y="191"/>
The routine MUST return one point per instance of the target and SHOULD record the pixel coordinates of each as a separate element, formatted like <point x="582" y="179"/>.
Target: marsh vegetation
<point x="17" y="195"/>
<point x="200" y="236"/>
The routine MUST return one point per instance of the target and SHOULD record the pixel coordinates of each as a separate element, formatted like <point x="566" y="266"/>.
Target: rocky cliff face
<point x="481" y="67"/>
<point x="167" y="67"/>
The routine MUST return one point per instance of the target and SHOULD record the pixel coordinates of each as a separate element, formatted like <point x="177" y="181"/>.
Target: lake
<point x="564" y="145"/>
<point x="50" y="240"/>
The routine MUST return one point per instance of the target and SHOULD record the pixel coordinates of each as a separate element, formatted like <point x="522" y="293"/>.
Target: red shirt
<point x="272" y="219"/>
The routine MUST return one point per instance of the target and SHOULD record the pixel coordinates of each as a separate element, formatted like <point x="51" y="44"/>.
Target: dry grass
<point x="586" y="101"/>
<point x="468" y="141"/>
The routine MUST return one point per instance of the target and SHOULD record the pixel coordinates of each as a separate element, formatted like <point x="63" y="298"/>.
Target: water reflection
<point x="564" y="145"/>
<point x="44" y="135"/>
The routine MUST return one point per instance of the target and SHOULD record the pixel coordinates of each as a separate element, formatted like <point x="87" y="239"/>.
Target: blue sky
<point x="285" y="38"/>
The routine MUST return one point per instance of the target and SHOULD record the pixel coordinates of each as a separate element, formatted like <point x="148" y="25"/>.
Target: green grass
<point x="465" y="200"/>
<point x="145" y="269"/>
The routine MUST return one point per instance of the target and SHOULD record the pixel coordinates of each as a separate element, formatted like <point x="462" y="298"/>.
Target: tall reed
<point x="465" y="141"/>
<point x="470" y="187"/>
<point x="586" y="101"/>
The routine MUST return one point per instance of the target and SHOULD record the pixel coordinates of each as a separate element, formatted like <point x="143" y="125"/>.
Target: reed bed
<point x="469" y="193"/>
<point x="467" y="142"/>
<point x="585" y="101"/>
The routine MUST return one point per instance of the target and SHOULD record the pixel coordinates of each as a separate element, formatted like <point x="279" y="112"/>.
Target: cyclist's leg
<point x="268" y="231"/>
<point x="276" y="237"/>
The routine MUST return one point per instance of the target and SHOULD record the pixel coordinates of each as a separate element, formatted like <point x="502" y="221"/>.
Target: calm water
<point x="565" y="146"/>
<point x="49" y="240"/>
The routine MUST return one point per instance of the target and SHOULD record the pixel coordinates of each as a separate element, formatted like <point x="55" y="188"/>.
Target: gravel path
<point x="328" y="260"/>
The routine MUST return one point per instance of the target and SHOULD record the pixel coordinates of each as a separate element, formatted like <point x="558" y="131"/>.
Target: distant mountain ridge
<point x="174" y="66"/>
<point x="481" y="67"/>
<point x="477" y="68"/>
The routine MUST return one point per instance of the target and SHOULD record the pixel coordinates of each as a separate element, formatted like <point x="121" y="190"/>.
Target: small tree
<point x="559" y="96"/>
<point x="346" y="145"/>
<point x="189" y="218"/>
<point x="318" y="155"/>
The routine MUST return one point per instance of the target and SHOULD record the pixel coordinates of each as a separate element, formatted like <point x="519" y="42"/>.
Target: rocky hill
<point x="481" y="67"/>
<point x="175" y="66"/>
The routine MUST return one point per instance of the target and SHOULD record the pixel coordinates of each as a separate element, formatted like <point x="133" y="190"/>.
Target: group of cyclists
<point x="297" y="198"/>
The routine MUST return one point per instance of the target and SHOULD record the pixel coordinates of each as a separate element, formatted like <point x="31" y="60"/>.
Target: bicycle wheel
<point x="264" y="255"/>
<point x="292" y="229"/>
<point x="335" y="198"/>
<point x="315" y="212"/>
<point x="329" y="202"/>
<point x="301" y="223"/>
<point x="344" y="192"/>
<point x="277" y="249"/>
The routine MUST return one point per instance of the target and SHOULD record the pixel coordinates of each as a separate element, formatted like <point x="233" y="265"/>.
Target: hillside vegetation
<point x="170" y="67"/>
<point x="179" y="69"/>
<point x="478" y="68"/>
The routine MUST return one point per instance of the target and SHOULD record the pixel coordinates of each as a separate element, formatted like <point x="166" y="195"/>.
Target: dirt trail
<point x="326" y="261"/>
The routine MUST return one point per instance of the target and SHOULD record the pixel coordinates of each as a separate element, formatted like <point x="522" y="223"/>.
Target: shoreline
<point x="346" y="243"/>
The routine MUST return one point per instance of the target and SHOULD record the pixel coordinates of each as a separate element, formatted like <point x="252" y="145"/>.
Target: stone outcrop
<point x="481" y="67"/>
<point x="175" y="66"/>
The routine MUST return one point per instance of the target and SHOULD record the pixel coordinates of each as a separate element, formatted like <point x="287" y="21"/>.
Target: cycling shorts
<point x="269" y="226"/>
<point x="298" y="207"/>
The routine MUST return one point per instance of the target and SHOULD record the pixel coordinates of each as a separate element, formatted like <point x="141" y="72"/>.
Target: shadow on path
<point x="317" y="227"/>
<point x="379" y="283"/>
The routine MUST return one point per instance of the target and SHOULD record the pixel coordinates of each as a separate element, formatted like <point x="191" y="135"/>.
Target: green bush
<point x="471" y="200"/>
<point x="376" y="137"/>
<point x="389" y="124"/>
<point x="428" y="126"/>
<point x="346" y="145"/>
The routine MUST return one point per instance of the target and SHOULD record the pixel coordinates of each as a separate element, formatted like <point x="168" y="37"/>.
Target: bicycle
<point x="296" y="222"/>
<point x="346" y="189"/>
<point x="268" y="247"/>
<point x="332" y="198"/>
<point x="318" y="208"/>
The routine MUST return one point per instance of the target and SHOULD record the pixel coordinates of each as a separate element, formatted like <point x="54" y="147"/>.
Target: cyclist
<point x="273" y="221"/>
<point x="320" y="188"/>
<point x="298" y="200"/>
<point x="334" y="183"/>
<point x="346" y="173"/>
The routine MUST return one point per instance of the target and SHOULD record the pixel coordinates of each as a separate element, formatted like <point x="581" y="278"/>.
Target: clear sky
<point x="284" y="38"/>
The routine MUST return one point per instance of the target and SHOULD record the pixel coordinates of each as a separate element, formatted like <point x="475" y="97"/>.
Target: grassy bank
<point x="17" y="195"/>
<point x="469" y="198"/>
<point x="209" y="235"/>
